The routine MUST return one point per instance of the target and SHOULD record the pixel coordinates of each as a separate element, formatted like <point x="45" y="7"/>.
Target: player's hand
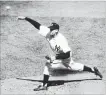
<point x="50" y="58"/>
<point x="47" y="57"/>
<point x="21" y="18"/>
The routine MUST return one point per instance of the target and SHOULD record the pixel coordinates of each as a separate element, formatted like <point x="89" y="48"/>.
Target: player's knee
<point x="76" y="66"/>
<point x="48" y="63"/>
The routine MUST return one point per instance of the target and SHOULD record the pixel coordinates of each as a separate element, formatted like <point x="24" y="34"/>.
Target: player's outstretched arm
<point x="33" y="22"/>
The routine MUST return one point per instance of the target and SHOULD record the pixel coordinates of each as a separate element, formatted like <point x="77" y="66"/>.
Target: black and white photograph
<point x="53" y="47"/>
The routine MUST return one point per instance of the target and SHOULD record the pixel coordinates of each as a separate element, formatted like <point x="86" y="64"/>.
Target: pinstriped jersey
<point x="58" y="43"/>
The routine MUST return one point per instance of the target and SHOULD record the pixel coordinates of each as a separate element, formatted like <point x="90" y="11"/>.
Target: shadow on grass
<point x="58" y="82"/>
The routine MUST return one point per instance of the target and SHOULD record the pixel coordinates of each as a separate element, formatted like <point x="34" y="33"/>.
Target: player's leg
<point x="49" y="67"/>
<point x="47" y="71"/>
<point x="81" y="67"/>
<point x="46" y="75"/>
<point x="57" y="64"/>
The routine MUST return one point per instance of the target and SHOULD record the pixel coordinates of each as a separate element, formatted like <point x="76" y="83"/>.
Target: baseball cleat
<point x="96" y="71"/>
<point x="40" y="87"/>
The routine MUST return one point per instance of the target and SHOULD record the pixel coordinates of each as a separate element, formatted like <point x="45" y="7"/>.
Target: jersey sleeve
<point x="65" y="48"/>
<point x="44" y="30"/>
<point x="64" y="44"/>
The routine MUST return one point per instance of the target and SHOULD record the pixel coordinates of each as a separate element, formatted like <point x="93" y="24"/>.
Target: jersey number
<point x="57" y="48"/>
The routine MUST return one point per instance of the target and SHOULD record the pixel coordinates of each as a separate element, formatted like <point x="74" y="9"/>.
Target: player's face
<point x="54" y="32"/>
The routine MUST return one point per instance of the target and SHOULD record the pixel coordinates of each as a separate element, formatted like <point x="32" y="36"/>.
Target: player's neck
<point x="53" y="36"/>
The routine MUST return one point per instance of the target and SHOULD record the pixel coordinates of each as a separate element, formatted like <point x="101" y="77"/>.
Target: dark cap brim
<point x="51" y="28"/>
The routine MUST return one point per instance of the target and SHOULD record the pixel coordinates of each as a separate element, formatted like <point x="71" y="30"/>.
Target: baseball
<point x="8" y="7"/>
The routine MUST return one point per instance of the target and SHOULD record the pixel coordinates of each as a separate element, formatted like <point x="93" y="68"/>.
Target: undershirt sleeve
<point x="33" y="22"/>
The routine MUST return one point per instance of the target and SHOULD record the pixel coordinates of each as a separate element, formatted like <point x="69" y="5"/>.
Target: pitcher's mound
<point x="87" y="83"/>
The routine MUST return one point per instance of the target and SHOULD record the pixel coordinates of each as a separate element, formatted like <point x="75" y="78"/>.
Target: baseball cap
<point x="54" y="26"/>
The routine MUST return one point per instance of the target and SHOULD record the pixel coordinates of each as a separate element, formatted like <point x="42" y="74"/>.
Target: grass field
<point x="23" y="49"/>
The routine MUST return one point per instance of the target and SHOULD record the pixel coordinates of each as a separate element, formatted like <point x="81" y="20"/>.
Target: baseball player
<point x="62" y="53"/>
